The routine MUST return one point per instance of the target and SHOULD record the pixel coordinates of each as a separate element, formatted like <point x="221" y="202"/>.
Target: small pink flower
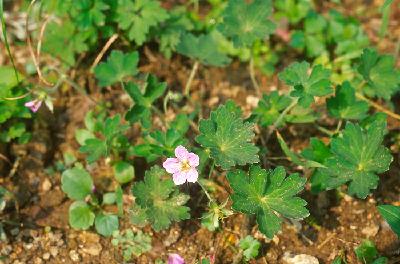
<point x="183" y="167"/>
<point x="175" y="259"/>
<point x="34" y="105"/>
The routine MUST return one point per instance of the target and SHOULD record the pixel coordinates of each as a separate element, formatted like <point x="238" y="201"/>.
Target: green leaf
<point x="109" y="198"/>
<point x="8" y="79"/>
<point x="228" y="137"/>
<point x="246" y="23"/>
<point x="385" y="9"/>
<point x="81" y="135"/>
<point x="366" y="252"/>
<point x="203" y="48"/>
<point x="250" y="247"/>
<point x="143" y="98"/>
<point x="306" y="86"/>
<point x="379" y="72"/>
<point x="15" y="131"/>
<point x="381" y="260"/>
<point x="123" y="171"/>
<point x="268" y="194"/>
<point x="170" y="32"/>
<point x="211" y="219"/>
<point x="113" y="127"/>
<point x="89" y="13"/>
<point x="293" y="157"/>
<point x="270" y="108"/>
<point x="344" y="104"/>
<point x="64" y="42"/>
<point x="90" y="121"/>
<point x="358" y="155"/>
<point x="76" y="183"/>
<point x="119" y="200"/>
<point x="160" y="199"/>
<point x="294" y="11"/>
<point x="119" y="65"/>
<point x="348" y="35"/>
<point x="106" y="224"/>
<point x="391" y="214"/>
<point x="158" y="144"/>
<point x="301" y="115"/>
<point x="138" y="17"/>
<point x="80" y="215"/>
<point x="317" y="151"/>
<point x="132" y="244"/>
<point x="95" y="148"/>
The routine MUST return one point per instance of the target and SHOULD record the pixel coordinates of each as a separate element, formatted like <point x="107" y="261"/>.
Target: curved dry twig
<point x="103" y="50"/>
<point x="29" y="42"/>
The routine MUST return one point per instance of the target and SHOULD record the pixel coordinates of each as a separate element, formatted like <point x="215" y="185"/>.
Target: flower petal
<point x="179" y="178"/>
<point x="193" y="159"/>
<point x="192" y="175"/>
<point x="30" y="104"/>
<point x="181" y="153"/>
<point x="34" y="105"/>
<point x="175" y="259"/>
<point x="172" y="165"/>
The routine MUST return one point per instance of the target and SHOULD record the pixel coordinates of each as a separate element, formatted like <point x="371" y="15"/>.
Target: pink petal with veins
<point x="181" y="153"/>
<point x="175" y="259"/>
<point x="193" y="159"/>
<point x="179" y="178"/>
<point x="172" y="165"/>
<point x="192" y="175"/>
<point x="34" y="105"/>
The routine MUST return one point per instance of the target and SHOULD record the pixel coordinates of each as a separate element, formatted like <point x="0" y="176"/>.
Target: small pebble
<point x="46" y="256"/>
<point x="28" y="246"/>
<point x="74" y="256"/>
<point x="290" y="258"/>
<point x="46" y="185"/>
<point x="370" y="231"/>
<point x="54" y="251"/>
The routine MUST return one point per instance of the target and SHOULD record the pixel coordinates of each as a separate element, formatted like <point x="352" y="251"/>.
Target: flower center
<point x="185" y="165"/>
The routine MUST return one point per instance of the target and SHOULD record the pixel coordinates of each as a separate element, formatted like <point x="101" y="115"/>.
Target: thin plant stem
<point x="373" y="104"/>
<point x="253" y="76"/>
<point x="103" y="50"/>
<point x="3" y="27"/>
<point x="378" y="107"/>
<point x="397" y="49"/>
<point x="324" y="130"/>
<point x="205" y="191"/>
<point x="280" y="118"/>
<point x="191" y="76"/>
<point x="211" y="169"/>
<point x="30" y="47"/>
<point x="339" y="125"/>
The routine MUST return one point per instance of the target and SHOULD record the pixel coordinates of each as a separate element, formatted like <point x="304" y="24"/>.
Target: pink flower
<point x="34" y="105"/>
<point x="183" y="167"/>
<point x="175" y="258"/>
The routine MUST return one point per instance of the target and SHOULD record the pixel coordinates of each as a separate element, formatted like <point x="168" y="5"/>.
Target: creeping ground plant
<point x="180" y="130"/>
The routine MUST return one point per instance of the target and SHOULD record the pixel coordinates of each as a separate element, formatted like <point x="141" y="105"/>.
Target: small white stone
<point x="290" y="258"/>
<point x="370" y="231"/>
<point x="74" y="256"/>
<point x="46" y="185"/>
<point x="92" y="249"/>
<point x="54" y="251"/>
<point x="46" y="256"/>
<point x="252" y="100"/>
